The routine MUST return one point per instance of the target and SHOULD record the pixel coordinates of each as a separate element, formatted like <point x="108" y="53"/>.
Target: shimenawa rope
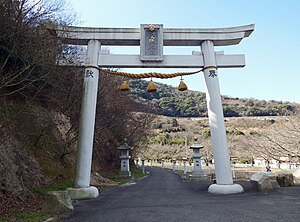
<point x="149" y="74"/>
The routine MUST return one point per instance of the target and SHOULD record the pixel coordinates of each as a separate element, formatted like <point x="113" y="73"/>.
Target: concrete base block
<point x="198" y="177"/>
<point x="225" y="189"/>
<point x="83" y="193"/>
<point x="58" y="203"/>
<point x="285" y="180"/>
<point x="125" y="173"/>
<point x="198" y="173"/>
<point x="260" y="182"/>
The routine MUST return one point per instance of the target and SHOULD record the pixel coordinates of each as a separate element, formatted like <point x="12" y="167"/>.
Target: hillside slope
<point x="169" y="101"/>
<point x="267" y="138"/>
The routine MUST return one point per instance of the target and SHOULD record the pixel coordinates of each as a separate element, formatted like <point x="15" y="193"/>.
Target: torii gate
<point x="151" y="39"/>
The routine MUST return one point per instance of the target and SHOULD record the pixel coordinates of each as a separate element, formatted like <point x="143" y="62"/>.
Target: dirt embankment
<point x="34" y="152"/>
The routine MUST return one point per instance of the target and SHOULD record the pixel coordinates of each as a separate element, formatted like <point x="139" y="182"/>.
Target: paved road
<point x="164" y="196"/>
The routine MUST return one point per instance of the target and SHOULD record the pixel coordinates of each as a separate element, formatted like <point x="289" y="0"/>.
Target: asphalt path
<point x="165" y="196"/>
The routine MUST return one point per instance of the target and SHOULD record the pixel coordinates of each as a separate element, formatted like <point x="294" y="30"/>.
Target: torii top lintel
<point x="171" y="36"/>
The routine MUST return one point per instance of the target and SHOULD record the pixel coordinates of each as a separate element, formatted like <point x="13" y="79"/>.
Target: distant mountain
<point x="169" y="101"/>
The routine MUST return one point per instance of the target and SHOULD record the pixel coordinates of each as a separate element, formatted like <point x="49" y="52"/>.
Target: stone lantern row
<point x="197" y="172"/>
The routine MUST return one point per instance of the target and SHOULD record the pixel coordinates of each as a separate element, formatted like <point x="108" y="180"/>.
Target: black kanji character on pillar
<point x="89" y="73"/>
<point x="212" y="73"/>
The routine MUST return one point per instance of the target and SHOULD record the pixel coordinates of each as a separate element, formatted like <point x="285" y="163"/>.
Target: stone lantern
<point x="125" y="149"/>
<point x="197" y="173"/>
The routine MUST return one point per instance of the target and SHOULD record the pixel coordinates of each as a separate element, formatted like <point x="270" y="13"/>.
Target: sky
<point x="271" y="51"/>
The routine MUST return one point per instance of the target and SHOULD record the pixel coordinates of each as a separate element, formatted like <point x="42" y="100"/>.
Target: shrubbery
<point x="169" y="102"/>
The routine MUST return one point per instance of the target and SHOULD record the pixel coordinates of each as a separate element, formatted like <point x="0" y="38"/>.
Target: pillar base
<point x="83" y="193"/>
<point x="225" y="189"/>
<point x="125" y="173"/>
<point x="198" y="177"/>
<point x="198" y="173"/>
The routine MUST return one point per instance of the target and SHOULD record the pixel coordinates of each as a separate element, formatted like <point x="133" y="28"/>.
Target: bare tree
<point x="278" y="141"/>
<point x="283" y="138"/>
<point x="27" y="50"/>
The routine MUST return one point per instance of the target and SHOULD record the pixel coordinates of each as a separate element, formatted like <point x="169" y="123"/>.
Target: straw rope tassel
<point x="182" y="86"/>
<point x="124" y="86"/>
<point x="151" y="87"/>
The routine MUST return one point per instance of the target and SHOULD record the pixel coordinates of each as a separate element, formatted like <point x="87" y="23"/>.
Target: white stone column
<point x="143" y="166"/>
<point x="87" y="120"/>
<point x="217" y="128"/>
<point x="174" y="164"/>
<point x="184" y="165"/>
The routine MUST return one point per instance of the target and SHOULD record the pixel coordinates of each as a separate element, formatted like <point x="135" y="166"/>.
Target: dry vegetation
<point x="248" y="138"/>
<point x="40" y="107"/>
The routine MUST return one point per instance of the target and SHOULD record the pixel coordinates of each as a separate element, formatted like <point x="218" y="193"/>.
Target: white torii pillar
<point x="223" y="172"/>
<point x="82" y="188"/>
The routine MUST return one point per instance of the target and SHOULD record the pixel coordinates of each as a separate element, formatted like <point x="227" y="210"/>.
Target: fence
<point x="238" y="169"/>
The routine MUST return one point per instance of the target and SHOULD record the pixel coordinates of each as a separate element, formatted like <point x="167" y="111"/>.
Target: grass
<point x="36" y="216"/>
<point x="42" y="191"/>
<point x="32" y="216"/>
<point x="112" y="175"/>
<point x="179" y="171"/>
<point x="136" y="174"/>
<point x="40" y="215"/>
<point x="115" y="176"/>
